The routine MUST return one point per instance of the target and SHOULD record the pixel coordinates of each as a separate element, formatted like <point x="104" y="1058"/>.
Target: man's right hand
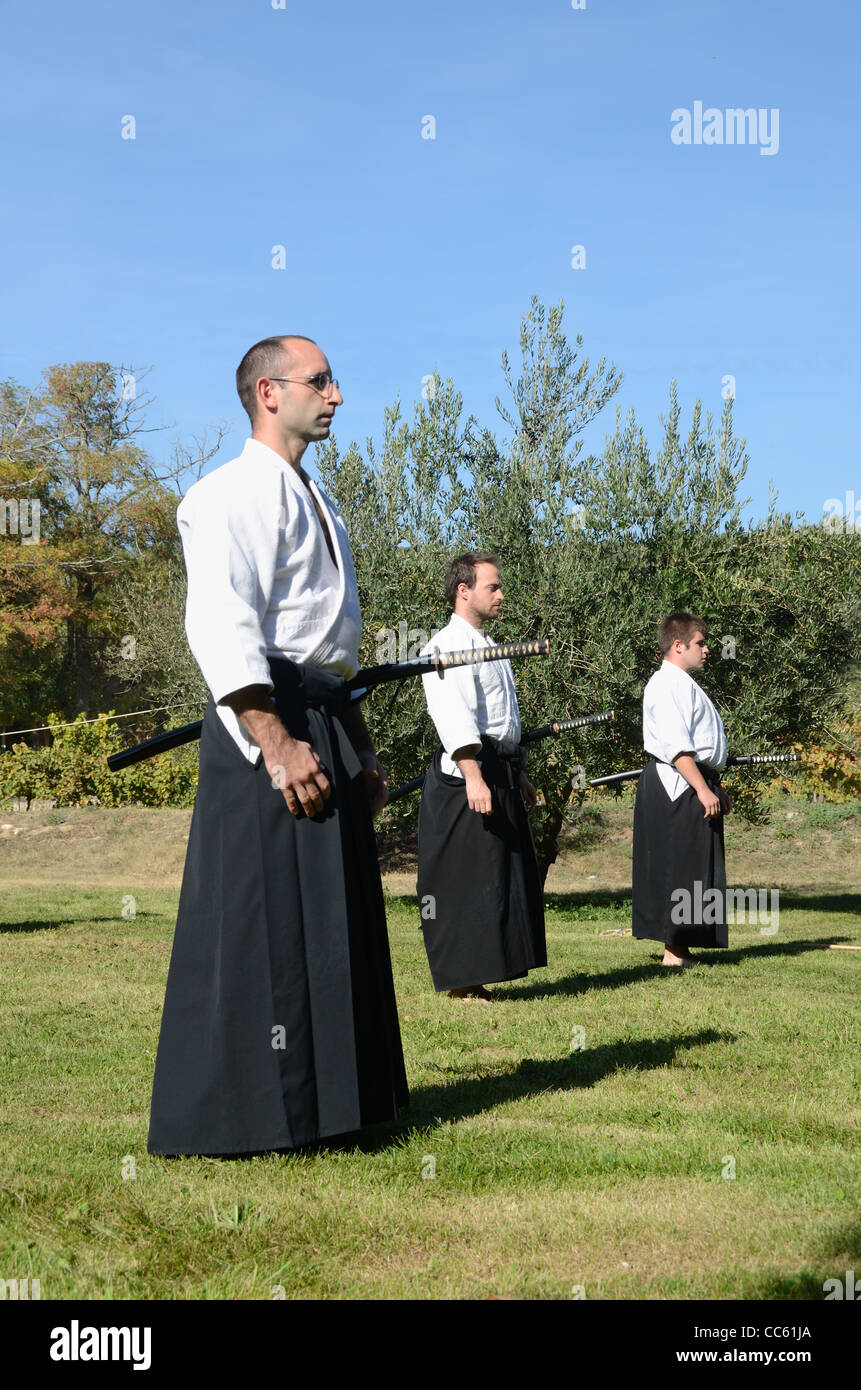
<point x="686" y="764"/>
<point x="297" y="772"/>
<point x="710" y="802"/>
<point x="294" y="767"/>
<point x="478" y="796"/>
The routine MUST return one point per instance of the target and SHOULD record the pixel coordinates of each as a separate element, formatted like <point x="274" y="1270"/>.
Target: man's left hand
<point x="528" y="792"/>
<point x="376" y="781"/>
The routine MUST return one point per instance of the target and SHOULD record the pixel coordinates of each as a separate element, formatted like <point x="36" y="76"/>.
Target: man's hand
<point x="528" y="792"/>
<point x="292" y="764"/>
<point x="375" y="779"/>
<point x="478" y="795"/>
<point x="297" y="772"/>
<point x="710" y="801"/>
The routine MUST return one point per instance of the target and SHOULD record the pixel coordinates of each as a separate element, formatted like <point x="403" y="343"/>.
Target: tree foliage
<point x="594" y="551"/>
<point x="107" y="524"/>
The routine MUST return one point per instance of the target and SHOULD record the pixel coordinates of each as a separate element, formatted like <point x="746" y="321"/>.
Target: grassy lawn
<point x="522" y="1168"/>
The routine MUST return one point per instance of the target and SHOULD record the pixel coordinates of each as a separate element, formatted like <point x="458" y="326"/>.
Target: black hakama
<point x="480" y="892"/>
<point x="280" y="1026"/>
<point x="678" y="858"/>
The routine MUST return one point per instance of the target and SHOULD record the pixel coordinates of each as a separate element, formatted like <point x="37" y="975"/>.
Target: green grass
<point x="600" y="1167"/>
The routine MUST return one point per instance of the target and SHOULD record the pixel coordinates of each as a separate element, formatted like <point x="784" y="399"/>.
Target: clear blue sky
<point x="301" y="126"/>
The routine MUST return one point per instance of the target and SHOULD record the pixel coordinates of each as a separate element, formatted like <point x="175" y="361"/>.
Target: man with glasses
<point x="280" y="1026"/>
<point x="678" y="815"/>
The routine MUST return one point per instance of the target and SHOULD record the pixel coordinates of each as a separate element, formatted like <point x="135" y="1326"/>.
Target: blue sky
<point x="301" y="126"/>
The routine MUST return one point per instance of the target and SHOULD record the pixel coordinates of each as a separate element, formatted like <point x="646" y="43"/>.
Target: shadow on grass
<point x="846" y="1242"/>
<point x="820" y="902"/>
<point x="55" y="923"/>
<point x="614" y="903"/>
<point x="790" y="901"/>
<point x="467" y="1096"/>
<point x="580" y="983"/>
<point x="839" y="1252"/>
<point x="461" y="1099"/>
<point x="803" y="1287"/>
<point x="588" y="906"/>
<point x="650" y="970"/>
<point x="600" y="898"/>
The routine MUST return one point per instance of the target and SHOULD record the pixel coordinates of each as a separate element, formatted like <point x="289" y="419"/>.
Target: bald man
<point x="279" y="1027"/>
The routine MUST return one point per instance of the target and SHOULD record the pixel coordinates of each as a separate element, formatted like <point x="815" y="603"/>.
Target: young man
<point x="279" y="1026"/>
<point x="479" y="888"/>
<point x="678" y="815"/>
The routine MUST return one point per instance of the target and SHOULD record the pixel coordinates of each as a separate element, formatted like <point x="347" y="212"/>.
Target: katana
<point x="562" y="726"/>
<point x="552" y="730"/>
<point x="356" y="688"/>
<point x="743" y="760"/>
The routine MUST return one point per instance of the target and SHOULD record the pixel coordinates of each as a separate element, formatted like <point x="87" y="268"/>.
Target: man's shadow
<point x="55" y="923"/>
<point x="433" y="1105"/>
<point x="633" y="974"/>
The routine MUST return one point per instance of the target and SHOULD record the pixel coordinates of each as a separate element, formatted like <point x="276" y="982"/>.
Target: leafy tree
<point x="594" y="552"/>
<point x="107" y="513"/>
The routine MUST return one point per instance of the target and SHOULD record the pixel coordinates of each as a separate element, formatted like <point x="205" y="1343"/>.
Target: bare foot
<point x="677" y="956"/>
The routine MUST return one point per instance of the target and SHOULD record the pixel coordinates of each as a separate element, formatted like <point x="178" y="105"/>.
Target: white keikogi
<point x="678" y="717"/>
<point x="470" y="700"/>
<point x="279" y="1026"/>
<point x="261" y="581"/>
<point x="480" y="872"/>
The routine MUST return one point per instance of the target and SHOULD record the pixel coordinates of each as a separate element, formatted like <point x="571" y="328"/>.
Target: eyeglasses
<point x="322" y="382"/>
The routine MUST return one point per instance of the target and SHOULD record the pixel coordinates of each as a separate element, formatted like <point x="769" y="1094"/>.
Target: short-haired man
<point x="479" y="887"/>
<point x="678" y="815"/>
<point x="279" y="1025"/>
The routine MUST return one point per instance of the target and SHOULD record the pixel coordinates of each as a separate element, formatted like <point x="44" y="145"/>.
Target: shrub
<point x="73" y="770"/>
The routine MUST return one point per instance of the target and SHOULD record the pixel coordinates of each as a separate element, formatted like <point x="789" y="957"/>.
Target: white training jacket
<point x="679" y="717"/>
<point x="261" y="581"/>
<point x="470" y="700"/>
